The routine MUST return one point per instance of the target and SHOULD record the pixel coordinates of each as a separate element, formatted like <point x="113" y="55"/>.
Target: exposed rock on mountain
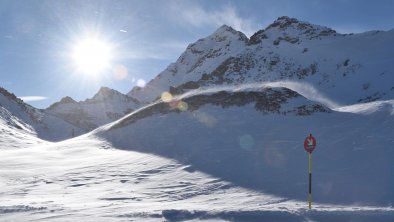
<point x="288" y="49"/>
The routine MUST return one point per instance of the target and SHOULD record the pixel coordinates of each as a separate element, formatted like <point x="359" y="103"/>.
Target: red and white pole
<point x="310" y="145"/>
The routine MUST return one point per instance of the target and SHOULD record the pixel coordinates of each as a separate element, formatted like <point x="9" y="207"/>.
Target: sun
<point x="91" y="55"/>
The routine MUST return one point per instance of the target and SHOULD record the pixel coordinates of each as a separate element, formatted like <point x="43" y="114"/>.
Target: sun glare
<point x="92" y="56"/>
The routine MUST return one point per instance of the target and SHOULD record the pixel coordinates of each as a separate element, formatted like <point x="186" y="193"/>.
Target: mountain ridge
<point x="286" y="50"/>
<point x="105" y="106"/>
<point x="27" y="119"/>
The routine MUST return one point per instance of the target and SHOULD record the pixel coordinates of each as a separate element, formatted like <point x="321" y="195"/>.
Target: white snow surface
<point x="86" y="179"/>
<point x="15" y="133"/>
<point x="212" y="163"/>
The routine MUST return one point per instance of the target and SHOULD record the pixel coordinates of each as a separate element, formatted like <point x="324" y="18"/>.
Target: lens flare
<point x="206" y="119"/>
<point x="246" y="142"/>
<point x="166" y="97"/>
<point x="273" y="157"/>
<point x="141" y="83"/>
<point x="120" y="72"/>
<point x="182" y="106"/>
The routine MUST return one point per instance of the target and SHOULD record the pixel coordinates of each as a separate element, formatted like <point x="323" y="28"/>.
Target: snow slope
<point x="14" y="133"/>
<point x="19" y="117"/>
<point x="87" y="179"/>
<point x="214" y="154"/>
<point x="253" y="137"/>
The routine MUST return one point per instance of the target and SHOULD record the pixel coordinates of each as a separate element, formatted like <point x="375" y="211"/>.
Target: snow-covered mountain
<point x="252" y="136"/>
<point x="351" y="68"/>
<point x="218" y="136"/>
<point x="106" y="106"/>
<point x="13" y="131"/>
<point x="22" y="120"/>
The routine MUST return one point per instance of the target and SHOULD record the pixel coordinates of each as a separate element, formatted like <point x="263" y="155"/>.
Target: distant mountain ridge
<point x="106" y="106"/>
<point x="19" y="116"/>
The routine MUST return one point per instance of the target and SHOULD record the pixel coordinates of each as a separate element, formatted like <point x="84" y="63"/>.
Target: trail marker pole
<point x="310" y="181"/>
<point x="310" y="145"/>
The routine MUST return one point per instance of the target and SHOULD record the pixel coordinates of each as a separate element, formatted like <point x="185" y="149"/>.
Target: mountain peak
<point x="67" y="99"/>
<point x="9" y="95"/>
<point x="105" y="93"/>
<point x="64" y="100"/>
<point x="105" y="89"/>
<point x="226" y="30"/>
<point x="284" y="22"/>
<point x="291" y="30"/>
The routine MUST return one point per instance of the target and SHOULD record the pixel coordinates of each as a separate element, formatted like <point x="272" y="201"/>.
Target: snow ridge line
<point x="304" y="89"/>
<point x="247" y="87"/>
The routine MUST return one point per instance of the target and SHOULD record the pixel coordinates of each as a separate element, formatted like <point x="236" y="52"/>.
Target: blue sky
<point x="36" y="36"/>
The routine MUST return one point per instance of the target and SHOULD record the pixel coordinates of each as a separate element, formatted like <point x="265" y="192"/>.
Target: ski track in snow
<point x="87" y="179"/>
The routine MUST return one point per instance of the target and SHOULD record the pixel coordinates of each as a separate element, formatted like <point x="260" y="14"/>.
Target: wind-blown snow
<point x="303" y="89"/>
<point x="368" y="108"/>
<point x="307" y="91"/>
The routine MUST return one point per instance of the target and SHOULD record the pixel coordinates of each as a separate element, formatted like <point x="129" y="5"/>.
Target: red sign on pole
<point x="310" y="143"/>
